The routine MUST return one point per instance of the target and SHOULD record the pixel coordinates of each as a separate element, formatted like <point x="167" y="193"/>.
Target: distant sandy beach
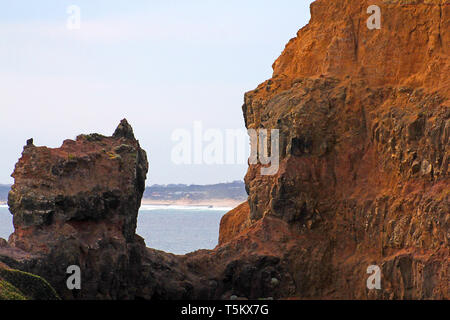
<point x="184" y="202"/>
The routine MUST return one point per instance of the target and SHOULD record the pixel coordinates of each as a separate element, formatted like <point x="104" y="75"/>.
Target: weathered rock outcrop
<point x="78" y="205"/>
<point x="364" y="124"/>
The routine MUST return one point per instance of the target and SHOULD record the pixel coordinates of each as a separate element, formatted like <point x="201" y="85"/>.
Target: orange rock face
<point x="410" y="49"/>
<point x="364" y="124"/>
<point x="234" y="222"/>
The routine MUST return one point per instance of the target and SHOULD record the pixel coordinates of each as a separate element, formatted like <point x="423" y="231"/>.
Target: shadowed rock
<point x="124" y="130"/>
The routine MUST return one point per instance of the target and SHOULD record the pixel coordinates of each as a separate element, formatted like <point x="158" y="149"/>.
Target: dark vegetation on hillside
<point x="233" y="190"/>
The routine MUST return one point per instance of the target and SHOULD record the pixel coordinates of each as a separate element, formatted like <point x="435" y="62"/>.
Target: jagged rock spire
<point x="124" y="130"/>
<point x="29" y="144"/>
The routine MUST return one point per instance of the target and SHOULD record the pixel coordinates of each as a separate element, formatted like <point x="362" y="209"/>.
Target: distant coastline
<point x="231" y="203"/>
<point x="206" y="203"/>
<point x="228" y="195"/>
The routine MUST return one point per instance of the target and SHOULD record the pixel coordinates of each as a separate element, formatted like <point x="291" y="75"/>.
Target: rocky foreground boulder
<point x="78" y="205"/>
<point x="364" y="124"/>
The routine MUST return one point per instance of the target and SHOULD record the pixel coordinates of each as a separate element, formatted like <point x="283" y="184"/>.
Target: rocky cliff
<point x="364" y="124"/>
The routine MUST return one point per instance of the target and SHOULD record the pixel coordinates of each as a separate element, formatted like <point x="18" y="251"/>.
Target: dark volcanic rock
<point x="78" y="205"/>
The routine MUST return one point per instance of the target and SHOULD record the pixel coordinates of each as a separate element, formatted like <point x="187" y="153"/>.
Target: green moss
<point x="33" y="287"/>
<point x="93" y="137"/>
<point x="9" y="292"/>
<point x="124" y="148"/>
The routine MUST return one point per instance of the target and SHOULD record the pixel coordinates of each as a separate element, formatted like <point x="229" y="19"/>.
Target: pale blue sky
<point x="161" y="64"/>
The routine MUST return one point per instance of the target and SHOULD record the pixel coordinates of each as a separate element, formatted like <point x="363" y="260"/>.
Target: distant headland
<point x="229" y="194"/>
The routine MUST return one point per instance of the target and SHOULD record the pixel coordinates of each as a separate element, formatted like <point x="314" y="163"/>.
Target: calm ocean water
<point x="6" y="227"/>
<point x="175" y="229"/>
